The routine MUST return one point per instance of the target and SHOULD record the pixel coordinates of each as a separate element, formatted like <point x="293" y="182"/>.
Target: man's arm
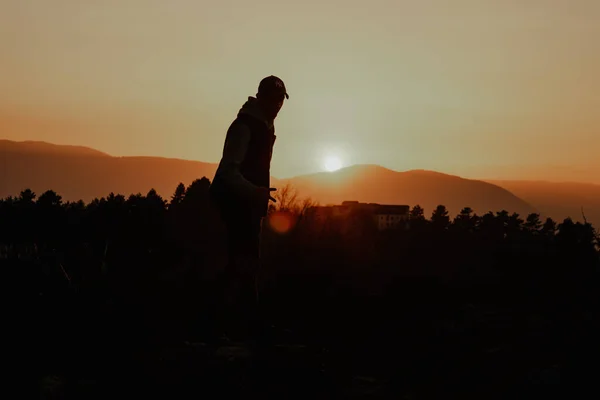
<point x="234" y="151"/>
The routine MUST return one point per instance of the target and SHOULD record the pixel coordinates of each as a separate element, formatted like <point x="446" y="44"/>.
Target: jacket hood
<point x="251" y="108"/>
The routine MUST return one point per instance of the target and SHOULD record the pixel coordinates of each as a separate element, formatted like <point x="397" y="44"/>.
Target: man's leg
<point x="249" y="265"/>
<point x="238" y="282"/>
<point x="256" y="322"/>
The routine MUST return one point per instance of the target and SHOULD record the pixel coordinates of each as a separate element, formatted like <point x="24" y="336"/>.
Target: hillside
<point x="371" y="183"/>
<point x="82" y="173"/>
<point x="559" y="199"/>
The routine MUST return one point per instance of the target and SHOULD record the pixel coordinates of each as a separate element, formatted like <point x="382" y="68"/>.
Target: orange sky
<point x="462" y="86"/>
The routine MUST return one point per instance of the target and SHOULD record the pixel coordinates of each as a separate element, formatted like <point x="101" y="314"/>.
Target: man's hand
<point x="264" y="194"/>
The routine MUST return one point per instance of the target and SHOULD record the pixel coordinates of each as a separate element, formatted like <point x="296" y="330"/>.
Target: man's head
<point x="271" y="93"/>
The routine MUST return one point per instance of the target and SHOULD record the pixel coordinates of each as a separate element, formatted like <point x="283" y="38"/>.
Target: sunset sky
<point x="462" y="86"/>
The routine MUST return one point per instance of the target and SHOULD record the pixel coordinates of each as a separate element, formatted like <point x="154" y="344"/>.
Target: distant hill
<point x="83" y="173"/>
<point x="372" y="183"/>
<point x="559" y="199"/>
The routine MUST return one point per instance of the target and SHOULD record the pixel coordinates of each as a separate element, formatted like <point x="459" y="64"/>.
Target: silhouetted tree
<point x="197" y="192"/>
<point x="178" y="196"/>
<point x="25" y="214"/>
<point x="439" y="218"/>
<point x="465" y="221"/>
<point x="491" y="228"/>
<point x="49" y="200"/>
<point x="514" y="224"/>
<point x="26" y="197"/>
<point x="417" y="218"/>
<point x="417" y="213"/>
<point x="549" y="227"/>
<point x="48" y="218"/>
<point x="533" y="223"/>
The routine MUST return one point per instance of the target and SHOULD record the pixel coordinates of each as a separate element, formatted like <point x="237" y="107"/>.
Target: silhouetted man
<point x="241" y="190"/>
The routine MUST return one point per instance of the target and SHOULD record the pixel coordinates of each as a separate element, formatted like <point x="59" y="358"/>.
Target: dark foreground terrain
<point x="111" y="299"/>
<point x="423" y="341"/>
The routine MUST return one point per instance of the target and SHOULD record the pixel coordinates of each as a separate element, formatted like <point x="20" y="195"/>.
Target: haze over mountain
<point x="77" y="172"/>
<point x="562" y="199"/>
<point x="372" y="183"/>
<point x="549" y="173"/>
<point x="45" y="148"/>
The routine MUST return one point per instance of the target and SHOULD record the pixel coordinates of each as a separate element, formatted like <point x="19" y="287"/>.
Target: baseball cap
<point x="272" y="84"/>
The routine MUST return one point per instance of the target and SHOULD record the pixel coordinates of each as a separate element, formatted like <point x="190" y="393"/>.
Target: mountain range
<point x="77" y="172"/>
<point x="373" y="183"/>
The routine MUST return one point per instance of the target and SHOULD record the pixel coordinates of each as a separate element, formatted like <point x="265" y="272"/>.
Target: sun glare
<point x="332" y="163"/>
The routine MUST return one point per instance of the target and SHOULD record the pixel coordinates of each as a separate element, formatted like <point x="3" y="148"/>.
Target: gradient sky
<point x="461" y="86"/>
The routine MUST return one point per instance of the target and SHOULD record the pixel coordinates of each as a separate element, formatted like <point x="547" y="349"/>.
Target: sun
<point x="332" y="163"/>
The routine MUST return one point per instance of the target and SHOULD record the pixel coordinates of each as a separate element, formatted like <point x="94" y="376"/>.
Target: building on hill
<point x="384" y="216"/>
